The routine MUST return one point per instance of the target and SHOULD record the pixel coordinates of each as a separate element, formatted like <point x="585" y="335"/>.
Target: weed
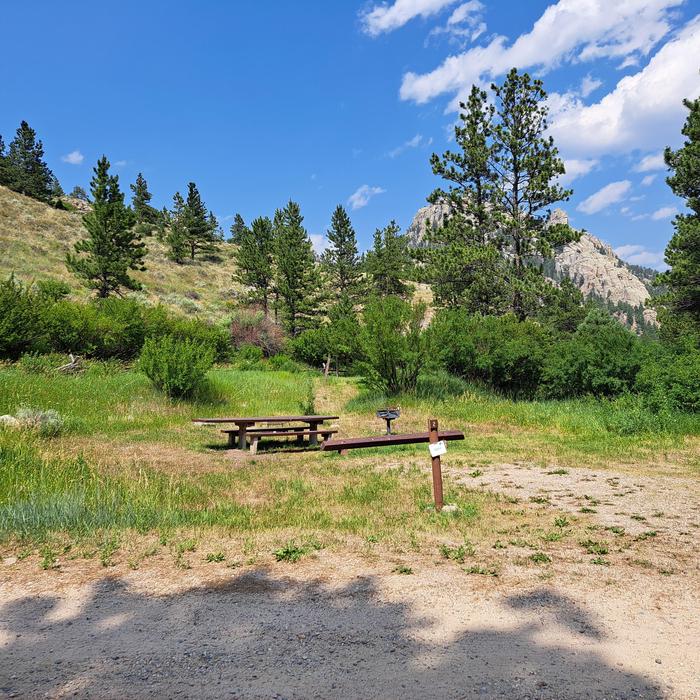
<point x="540" y="499"/>
<point x="476" y="473"/>
<point x="214" y="557"/>
<point x="600" y="561"/>
<point x="292" y="551"/>
<point x="540" y="558"/>
<point x="553" y="536"/>
<point x="558" y="472"/>
<point x="402" y="569"/>
<point x="48" y="558"/>
<point x="638" y="518"/>
<point x="586" y="509"/>
<point x="594" y="547"/>
<point x="561" y="522"/>
<point x="499" y="545"/>
<point x="107" y="550"/>
<point x="482" y="571"/>
<point x="616" y="530"/>
<point x="459" y="553"/>
<point x="645" y="535"/>
<point x="372" y="539"/>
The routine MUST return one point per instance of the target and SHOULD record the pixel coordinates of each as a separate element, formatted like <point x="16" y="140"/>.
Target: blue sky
<point x="343" y="102"/>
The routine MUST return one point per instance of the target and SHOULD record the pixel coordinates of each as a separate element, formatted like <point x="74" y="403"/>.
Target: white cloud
<point x="664" y="213"/>
<point x="465" y="22"/>
<point x="648" y="180"/>
<point x="385" y="18"/>
<point x="361" y="196"/>
<point x="576" y="168"/>
<point x="567" y="31"/>
<point x="639" y="255"/>
<point x="589" y="85"/>
<point x="416" y="141"/>
<point x="604" y="197"/>
<point x="119" y="163"/>
<point x="654" y="161"/>
<point x="319" y="242"/>
<point x="645" y="110"/>
<point x="74" y="158"/>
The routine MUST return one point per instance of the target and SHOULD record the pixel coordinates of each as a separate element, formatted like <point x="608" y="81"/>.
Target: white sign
<point x="437" y="448"/>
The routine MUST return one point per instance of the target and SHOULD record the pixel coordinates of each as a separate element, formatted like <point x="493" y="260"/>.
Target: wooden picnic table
<point x="244" y="425"/>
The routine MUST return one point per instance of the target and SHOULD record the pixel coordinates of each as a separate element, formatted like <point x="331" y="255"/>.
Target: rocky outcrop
<point x="589" y="262"/>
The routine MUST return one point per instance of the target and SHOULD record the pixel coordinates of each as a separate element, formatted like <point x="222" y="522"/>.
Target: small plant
<point x="561" y="522"/>
<point x="475" y="473"/>
<point x="540" y="558"/>
<point x="107" y="550"/>
<point x="308" y="403"/>
<point x="372" y="539"/>
<point x="459" y="553"/>
<point x="616" y="530"/>
<point x="594" y="547"/>
<point x="638" y="518"/>
<point x="46" y="423"/>
<point x="480" y="570"/>
<point x="600" y="561"/>
<point x="553" y="536"/>
<point x="214" y="557"/>
<point x="539" y="499"/>
<point x="499" y="545"/>
<point x="558" y="472"/>
<point x="402" y="569"/>
<point x="292" y="552"/>
<point x="175" y="366"/>
<point x="586" y="509"/>
<point x="645" y="535"/>
<point x="48" y="558"/>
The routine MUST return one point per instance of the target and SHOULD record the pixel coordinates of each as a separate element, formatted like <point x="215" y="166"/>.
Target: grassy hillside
<point x="34" y="239"/>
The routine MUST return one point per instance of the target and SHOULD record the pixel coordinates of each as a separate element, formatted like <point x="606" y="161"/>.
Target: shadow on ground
<point x="260" y="636"/>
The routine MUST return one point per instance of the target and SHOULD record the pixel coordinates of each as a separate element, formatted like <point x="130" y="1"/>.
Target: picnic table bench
<point x="247" y="428"/>
<point x="343" y="444"/>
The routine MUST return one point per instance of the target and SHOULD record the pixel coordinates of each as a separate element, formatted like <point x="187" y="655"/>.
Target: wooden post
<point x="437" y="469"/>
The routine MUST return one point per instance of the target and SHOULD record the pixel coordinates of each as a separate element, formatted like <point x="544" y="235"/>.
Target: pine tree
<point x="176" y="236"/>
<point x="683" y="250"/>
<point x="501" y="183"/>
<point x="255" y="260"/>
<point x="24" y="168"/>
<point x="238" y="229"/>
<point x="201" y="230"/>
<point x="388" y="263"/>
<point x="297" y="281"/>
<point x="112" y="248"/>
<point x="79" y="193"/>
<point x="341" y="260"/>
<point x="146" y="215"/>
<point x="3" y="172"/>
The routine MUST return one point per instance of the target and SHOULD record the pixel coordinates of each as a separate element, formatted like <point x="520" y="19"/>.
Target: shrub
<point x="177" y="367"/>
<point x="254" y="328"/>
<point x="439" y="386"/>
<point x="500" y="351"/>
<point x="52" y="290"/>
<point x="602" y="358"/>
<point x="394" y="345"/>
<point x="310" y="347"/>
<point x="46" y="423"/>
<point x="249" y="353"/>
<point x="284" y="363"/>
<point x="32" y="363"/>
<point x="21" y="329"/>
<point x="669" y="379"/>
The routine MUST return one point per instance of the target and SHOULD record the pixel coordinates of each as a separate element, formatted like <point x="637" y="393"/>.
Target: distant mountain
<point x="589" y="262"/>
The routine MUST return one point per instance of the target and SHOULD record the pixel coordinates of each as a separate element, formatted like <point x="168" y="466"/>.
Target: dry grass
<point x="35" y="239"/>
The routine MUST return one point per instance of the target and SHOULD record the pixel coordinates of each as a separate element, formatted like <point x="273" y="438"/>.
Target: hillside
<point x="35" y="239"/>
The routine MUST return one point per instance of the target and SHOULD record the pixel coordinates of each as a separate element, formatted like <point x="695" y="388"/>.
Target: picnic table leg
<point x="254" y="445"/>
<point x="313" y="439"/>
<point x="241" y="437"/>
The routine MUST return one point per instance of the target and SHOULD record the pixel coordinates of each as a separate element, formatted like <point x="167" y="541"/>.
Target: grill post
<point x="437" y="468"/>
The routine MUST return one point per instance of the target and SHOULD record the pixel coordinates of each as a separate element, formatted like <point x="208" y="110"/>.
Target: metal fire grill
<point x="389" y="414"/>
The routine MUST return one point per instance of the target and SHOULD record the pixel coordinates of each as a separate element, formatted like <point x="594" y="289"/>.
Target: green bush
<point x="176" y="367"/>
<point x="602" y="358"/>
<point x="21" y="328"/>
<point x="47" y="423"/>
<point x="670" y="379"/>
<point x="249" y="327"/>
<point x="284" y="363"/>
<point x="249" y="353"/>
<point x="52" y="290"/>
<point x="309" y="347"/>
<point x="499" y="351"/>
<point x="394" y="345"/>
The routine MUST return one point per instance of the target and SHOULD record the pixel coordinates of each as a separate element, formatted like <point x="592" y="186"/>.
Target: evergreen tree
<point x="79" y="193"/>
<point x="388" y="263"/>
<point x="341" y="260"/>
<point x="297" y="281"/>
<point x="342" y="334"/>
<point x="501" y="183"/>
<point x="112" y="248"/>
<point x="3" y="176"/>
<point x="201" y="231"/>
<point x="683" y="250"/>
<point x="176" y="235"/>
<point x="255" y="260"/>
<point x="238" y="229"/>
<point x="146" y="215"/>
<point x="24" y="168"/>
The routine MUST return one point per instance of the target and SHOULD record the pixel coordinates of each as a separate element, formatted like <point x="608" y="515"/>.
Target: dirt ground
<point x="345" y="626"/>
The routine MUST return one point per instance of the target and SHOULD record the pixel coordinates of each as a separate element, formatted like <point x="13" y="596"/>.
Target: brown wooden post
<point x="437" y="469"/>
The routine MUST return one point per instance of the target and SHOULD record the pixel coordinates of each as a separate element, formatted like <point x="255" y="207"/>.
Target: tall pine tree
<point x="238" y="229"/>
<point x="146" y="215"/>
<point x="297" y="280"/>
<point x="341" y="260"/>
<point x="683" y="250"/>
<point x="388" y="263"/>
<point x="254" y="260"/>
<point x="112" y="249"/>
<point x="175" y="235"/>
<point x="201" y="230"/>
<point x="24" y="169"/>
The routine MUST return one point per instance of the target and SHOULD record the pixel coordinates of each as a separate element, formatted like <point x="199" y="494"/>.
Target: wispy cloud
<point x="604" y="197"/>
<point x="664" y="213"/>
<point x="416" y="141"/>
<point x="119" y="163"/>
<point x="576" y="168"/>
<point x="73" y="158"/>
<point x="654" y="161"/>
<point x="648" y="180"/>
<point x="464" y="24"/>
<point x="362" y="195"/>
<point x="639" y="255"/>
<point x="589" y="85"/>
<point x="386" y="18"/>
